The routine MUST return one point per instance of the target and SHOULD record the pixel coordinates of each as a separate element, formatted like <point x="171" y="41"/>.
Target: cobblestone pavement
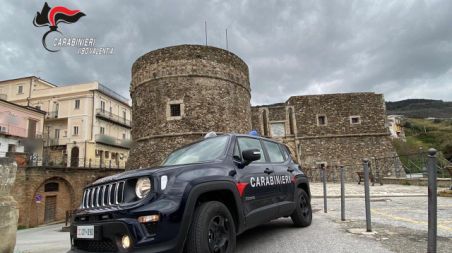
<point x="357" y="190"/>
<point x="400" y="222"/>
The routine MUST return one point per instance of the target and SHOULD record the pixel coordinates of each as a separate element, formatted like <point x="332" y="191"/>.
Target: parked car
<point x="200" y="198"/>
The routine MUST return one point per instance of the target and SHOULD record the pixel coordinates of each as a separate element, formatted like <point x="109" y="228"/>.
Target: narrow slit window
<point x="321" y="120"/>
<point x="355" y="120"/>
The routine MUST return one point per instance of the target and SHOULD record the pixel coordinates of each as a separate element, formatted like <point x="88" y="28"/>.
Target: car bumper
<point x="108" y="235"/>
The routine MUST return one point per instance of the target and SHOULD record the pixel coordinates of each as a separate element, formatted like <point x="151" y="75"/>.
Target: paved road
<point x="357" y="190"/>
<point x="322" y="236"/>
<point x="408" y="212"/>
<point x="46" y="239"/>
<point x="400" y="223"/>
<point x="277" y="236"/>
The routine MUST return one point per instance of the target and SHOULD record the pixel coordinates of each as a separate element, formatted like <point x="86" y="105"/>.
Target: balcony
<point x="13" y="131"/>
<point x="112" y="141"/>
<point x="55" y="142"/>
<point x="52" y="115"/>
<point x="113" y="118"/>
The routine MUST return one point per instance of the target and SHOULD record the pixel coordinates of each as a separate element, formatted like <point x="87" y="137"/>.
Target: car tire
<point x="212" y="229"/>
<point x="302" y="215"/>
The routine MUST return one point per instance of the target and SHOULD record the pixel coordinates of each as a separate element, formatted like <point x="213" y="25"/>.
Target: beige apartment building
<point x="86" y="125"/>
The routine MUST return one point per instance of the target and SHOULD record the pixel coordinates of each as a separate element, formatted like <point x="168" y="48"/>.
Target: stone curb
<point x="372" y="196"/>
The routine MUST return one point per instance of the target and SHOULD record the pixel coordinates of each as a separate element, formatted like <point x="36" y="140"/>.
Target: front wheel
<point x="302" y="215"/>
<point x="212" y="229"/>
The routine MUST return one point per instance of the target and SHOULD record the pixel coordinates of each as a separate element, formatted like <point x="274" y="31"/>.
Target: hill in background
<point x="426" y="134"/>
<point x="420" y="108"/>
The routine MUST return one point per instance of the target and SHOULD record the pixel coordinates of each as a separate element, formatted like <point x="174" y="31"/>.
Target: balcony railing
<point x="113" y="117"/>
<point x="55" y="142"/>
<point x="112" y="93"/>
<point x="52" y="115"/>
<point x="112" y="141"/>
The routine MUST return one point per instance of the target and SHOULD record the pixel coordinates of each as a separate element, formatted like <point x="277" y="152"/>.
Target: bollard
<point x="431" y="171"/>
<point x="322" y="169"/>
<point x="367" y="195"/>
<point x="342" y="194"/>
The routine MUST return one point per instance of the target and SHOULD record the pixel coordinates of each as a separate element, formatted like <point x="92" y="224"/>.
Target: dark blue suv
<point x="198" y="200"/>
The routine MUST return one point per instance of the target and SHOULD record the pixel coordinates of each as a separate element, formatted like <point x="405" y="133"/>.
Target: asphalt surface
<point x="277" y="236"/>
<point x="323" y="235"/>
<point x="400" y="224"/>
<point x="46" y="239"/>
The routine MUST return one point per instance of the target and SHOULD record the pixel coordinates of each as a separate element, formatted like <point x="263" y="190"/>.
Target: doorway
<point x="74" y="156"/>
<point x="50" y="209"/>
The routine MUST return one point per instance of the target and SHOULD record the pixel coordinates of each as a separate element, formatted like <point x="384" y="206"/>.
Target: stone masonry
<point x="9" y="212"/>
<point x="208" y="86"/>
<point x="32" y="181"/>
<point x="332" y="129"/>
<point x="209" y="90"/>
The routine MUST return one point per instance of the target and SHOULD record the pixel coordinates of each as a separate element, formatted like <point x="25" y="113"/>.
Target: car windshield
<point x="203" y="151"/>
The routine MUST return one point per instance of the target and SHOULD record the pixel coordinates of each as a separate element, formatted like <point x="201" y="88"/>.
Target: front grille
<point x="96" y="246"/>
<point x="103" y="195"/>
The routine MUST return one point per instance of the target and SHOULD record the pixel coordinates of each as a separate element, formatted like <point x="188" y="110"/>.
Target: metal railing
<point x="65" y="162"/>
<point x="55" y="141"/>
<point x="52" y="115"/>
<point x="410" y="166"/>
<point x="112" y="93"/>
<point x="112" y="117"/>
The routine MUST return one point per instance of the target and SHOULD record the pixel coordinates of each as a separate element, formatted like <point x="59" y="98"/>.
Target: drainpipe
<point x="84" y="160"/>
<point x="92" y="120"/>
<point x="29" y="93"/>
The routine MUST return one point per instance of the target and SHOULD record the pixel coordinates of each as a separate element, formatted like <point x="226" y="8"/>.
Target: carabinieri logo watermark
<point x="51" y="17"/>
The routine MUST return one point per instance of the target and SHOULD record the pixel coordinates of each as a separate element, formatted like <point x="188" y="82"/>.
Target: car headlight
<point x="143" y="187"/>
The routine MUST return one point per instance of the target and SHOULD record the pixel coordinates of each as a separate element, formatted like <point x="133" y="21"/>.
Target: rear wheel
<point x="302" y="215"/>
<point x="212" y="229"/>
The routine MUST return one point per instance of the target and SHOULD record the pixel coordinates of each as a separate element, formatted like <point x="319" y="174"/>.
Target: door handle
<point x="268" y="171"/>
<point x="290" y="169"/>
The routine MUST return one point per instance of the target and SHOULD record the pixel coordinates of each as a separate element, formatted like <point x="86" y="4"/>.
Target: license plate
<point x="85" y="232"/>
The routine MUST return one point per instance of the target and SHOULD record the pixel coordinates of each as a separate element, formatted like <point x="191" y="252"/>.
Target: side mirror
<point x="251" y="155"/>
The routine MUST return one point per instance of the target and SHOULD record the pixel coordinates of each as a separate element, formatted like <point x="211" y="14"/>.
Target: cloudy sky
<point x="402" y="49"/>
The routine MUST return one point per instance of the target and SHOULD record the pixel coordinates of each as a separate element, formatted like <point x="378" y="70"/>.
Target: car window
<point x="284" y="152"/>
<point x="206" y="150"/>
<point x="237" y="154"/>
<point x="274" y="152"/>
<point x="251" y="143"/>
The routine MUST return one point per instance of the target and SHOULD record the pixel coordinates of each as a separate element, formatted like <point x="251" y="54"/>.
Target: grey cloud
<point x="400" y="48"/>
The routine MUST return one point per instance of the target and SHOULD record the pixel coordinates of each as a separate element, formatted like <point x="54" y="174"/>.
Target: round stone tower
<point x="182" y="92"/>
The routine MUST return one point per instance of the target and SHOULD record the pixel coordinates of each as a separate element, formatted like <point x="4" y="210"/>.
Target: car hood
<point x="152" y="171"/>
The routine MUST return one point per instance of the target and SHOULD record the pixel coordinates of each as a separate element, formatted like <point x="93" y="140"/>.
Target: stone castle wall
<point x="336" y="142"/>
<point x="212" y="87"/>
<point x="210" y="84"/>
<point x="338" y="108"/>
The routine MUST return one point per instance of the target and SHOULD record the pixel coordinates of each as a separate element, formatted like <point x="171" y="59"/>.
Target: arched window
<point x="51" y="187"/>
<point x="265" y="122"/>
<point x="291" y="125"/>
